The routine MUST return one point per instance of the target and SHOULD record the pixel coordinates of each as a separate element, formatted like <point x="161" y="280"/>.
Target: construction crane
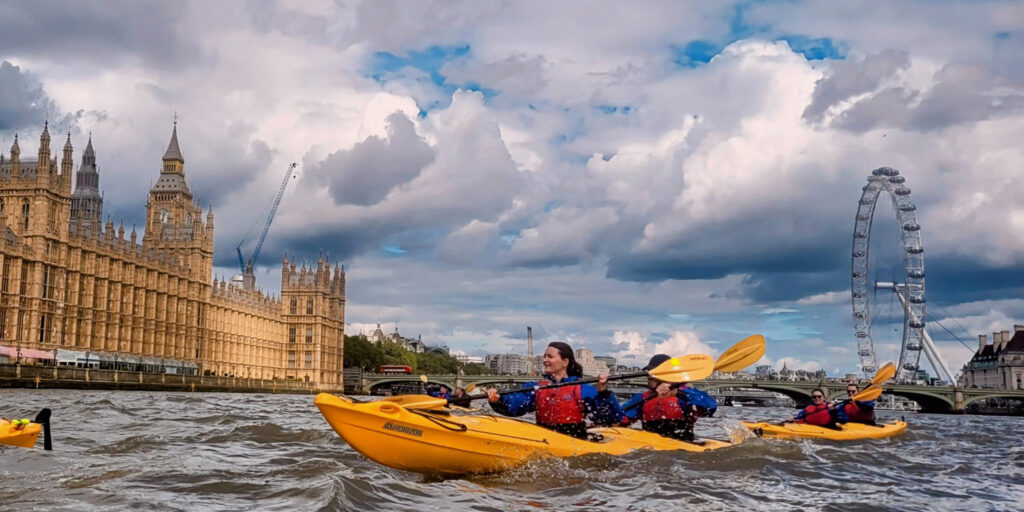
<point x="266" y="226"/>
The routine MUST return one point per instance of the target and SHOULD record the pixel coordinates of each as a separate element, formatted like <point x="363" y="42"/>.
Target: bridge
<point x="932" y="399"/>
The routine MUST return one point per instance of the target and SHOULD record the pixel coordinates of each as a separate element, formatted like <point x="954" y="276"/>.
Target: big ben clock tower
<point x="174" y="223"/>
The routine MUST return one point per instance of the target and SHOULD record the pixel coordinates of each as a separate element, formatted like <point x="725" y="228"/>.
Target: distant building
<point x="591" y="366"/>
<point x="507" y="364"/>
<point x="467" y="359"/>
<point x="415" y="345"/>
<point x="997" y="365"/>
<point x="609" y="362"/>
<point x="766" y="372"/>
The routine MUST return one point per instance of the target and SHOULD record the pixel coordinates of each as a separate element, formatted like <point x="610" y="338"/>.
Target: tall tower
<point x="174" y="223"/>
<point x="86" y="202"/>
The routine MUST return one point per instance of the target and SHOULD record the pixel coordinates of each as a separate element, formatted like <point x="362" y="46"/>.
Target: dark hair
<point x="819" y="390"/>
<point x="854" y="384"/>
<point x="574" y="369"/>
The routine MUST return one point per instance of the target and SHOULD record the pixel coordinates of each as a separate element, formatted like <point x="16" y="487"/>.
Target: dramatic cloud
<point x="22" y="99"/>
<point x="365" y="174"/>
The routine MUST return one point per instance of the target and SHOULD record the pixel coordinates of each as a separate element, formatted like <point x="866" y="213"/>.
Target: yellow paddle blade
<point x="688" y="368"/>
<point x="417" y="401"/>
<point x="424" y="379"/>
<point x="884" y="373"/>
<point x="470" y="387"/>
<point x="741" y="355"/>
<point x="869" y="393"/>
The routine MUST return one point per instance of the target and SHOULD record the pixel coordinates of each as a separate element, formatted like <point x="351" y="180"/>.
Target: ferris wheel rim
<point x="886" y="180"/>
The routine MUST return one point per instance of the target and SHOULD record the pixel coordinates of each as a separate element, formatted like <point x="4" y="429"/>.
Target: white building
<point x="591" y="366"/>
<point x="507" y="364"/>
<point x="468" y="359"/>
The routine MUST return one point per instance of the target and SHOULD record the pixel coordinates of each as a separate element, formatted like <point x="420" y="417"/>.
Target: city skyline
<point x="660" y="178"/>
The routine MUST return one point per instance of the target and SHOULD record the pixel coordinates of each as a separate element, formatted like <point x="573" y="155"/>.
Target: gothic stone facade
<point x="69" y="282"/>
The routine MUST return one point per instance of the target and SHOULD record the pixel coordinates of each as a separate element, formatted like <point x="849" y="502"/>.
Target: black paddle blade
<point x="43" y="418"/>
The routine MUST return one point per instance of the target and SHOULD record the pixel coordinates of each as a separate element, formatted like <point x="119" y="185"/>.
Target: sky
<point x="630" y="177"/>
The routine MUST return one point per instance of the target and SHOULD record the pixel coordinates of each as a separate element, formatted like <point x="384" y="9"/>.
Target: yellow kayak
<point x="436" y="442"/>
<point x="19" y="434"/>
<point x="844" y="432"/>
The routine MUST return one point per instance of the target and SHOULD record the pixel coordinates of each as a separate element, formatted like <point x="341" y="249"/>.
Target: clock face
<point x="165" y="216"/>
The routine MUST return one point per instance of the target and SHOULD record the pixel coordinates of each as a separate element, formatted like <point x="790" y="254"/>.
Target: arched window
<point x="24" y="214"/>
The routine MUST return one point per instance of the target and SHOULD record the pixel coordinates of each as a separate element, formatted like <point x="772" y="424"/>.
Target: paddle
<point x="869" y="393"/>
<point x="884" y="373"/>
<point x="741" y="355"/>
<point x="43" y="418"/>
<point x="737" y="357"/>
<point x="427" y="401"/>
<point x="686" y="368"/>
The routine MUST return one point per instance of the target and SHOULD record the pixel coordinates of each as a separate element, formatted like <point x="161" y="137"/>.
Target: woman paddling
<point x="564" y="409"/>
<point x="819" y="412"/>
<point x="668" y="410"/>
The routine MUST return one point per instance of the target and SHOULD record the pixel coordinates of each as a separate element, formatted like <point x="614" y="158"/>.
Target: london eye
<point x="887" y="182"/>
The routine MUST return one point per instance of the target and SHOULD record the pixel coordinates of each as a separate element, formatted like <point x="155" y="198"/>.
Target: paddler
<point x="820" y="412"/>
<point x="667" y="410"/>
<point x="564" y="409"/>
<point x="857" y="411"/>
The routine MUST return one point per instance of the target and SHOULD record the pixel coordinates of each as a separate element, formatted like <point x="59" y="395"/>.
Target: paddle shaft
<point x="555" y="385"/>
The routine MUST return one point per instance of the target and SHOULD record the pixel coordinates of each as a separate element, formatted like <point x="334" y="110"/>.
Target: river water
<point x="117" y="450"/>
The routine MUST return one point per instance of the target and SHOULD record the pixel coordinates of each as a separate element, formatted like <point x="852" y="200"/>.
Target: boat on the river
<point x="24" y="433"/>
<point x="843" y="432"/>
<point x="434" y="441"/>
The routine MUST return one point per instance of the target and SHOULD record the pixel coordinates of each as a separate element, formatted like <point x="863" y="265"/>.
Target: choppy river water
<point x="117" y="450"/>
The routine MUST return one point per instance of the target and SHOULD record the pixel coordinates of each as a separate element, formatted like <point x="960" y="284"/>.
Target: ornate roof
<point x="173" y="151"/>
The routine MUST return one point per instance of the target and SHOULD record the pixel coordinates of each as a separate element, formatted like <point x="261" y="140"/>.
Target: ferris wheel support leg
<point x="933" y="356"/>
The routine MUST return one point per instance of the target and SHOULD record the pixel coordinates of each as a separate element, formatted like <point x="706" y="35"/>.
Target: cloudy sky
<point x="631" y="177"/>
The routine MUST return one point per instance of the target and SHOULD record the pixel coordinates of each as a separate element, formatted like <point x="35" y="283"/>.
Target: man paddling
<point x="857" y="411"/>
<point x="667" y="410"/>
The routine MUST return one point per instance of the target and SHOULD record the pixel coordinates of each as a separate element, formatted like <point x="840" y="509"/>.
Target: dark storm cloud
<point x="957" y="279"/>
<point x="366" y="173"/>
<point x="95" y="31"/>
<point x="769" y="249"/>
<point x="23" y="103"/>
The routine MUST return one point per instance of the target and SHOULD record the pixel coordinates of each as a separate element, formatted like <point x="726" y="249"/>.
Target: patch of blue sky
<point x="509" y="237"/>
<point x="695" y="53"/>
<point x="386" y="66"/>
<point x="819" y="48"/>
<point x="552" y="206"/>
<point x="613" y="109"/>
<point x="393" y="250"/>
<point x="429" y="60"/>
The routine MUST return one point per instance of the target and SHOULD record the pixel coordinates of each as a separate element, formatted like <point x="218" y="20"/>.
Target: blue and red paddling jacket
<point x="860" y="412"/>
<point x="820" y="415"/>
<point x="564" y="405"/>
<point x="688" y="403"/>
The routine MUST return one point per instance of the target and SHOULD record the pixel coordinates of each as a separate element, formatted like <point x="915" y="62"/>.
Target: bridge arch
<point x="971" y="398"/>
<point x="929" y="402"/>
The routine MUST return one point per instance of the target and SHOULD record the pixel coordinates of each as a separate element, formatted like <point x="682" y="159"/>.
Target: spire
<point x="15" y="148"/>
<point x="88" y="148"/>
<point x="67" y="143"/>
<point x="173" y="152"/>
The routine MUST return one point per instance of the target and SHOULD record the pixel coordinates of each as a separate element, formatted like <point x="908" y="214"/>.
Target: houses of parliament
<point x="70" y="284"/>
